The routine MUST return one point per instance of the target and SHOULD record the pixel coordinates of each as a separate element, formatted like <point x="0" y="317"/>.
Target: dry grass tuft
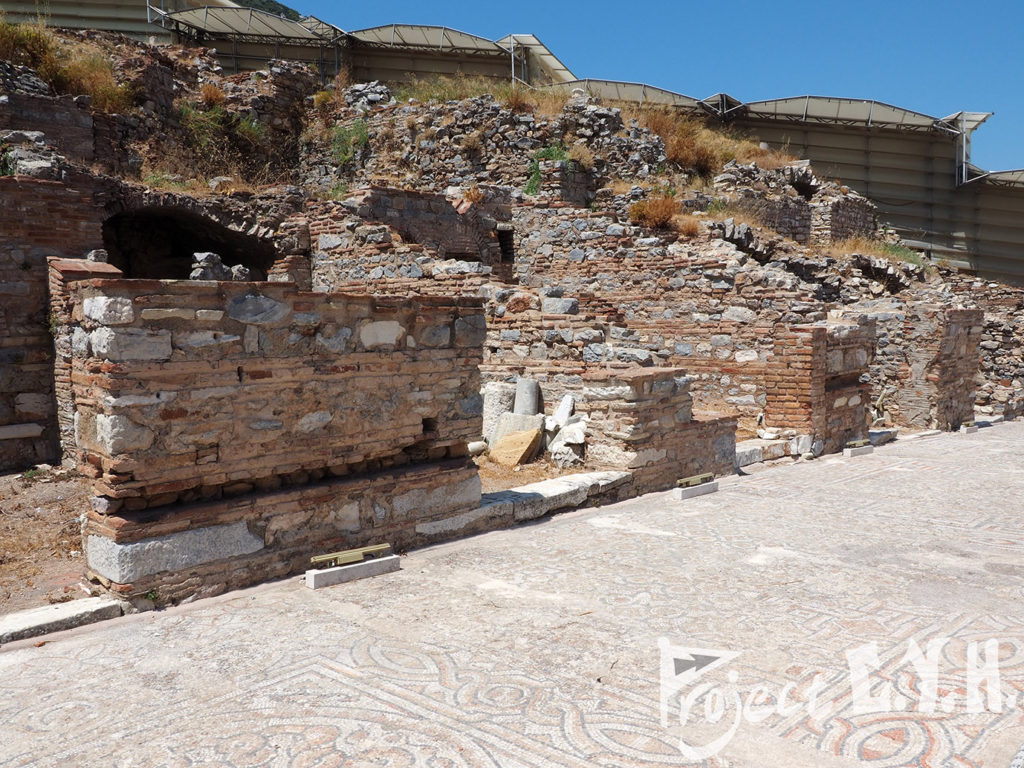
<point x="211" y="95"/>
<point x="693" y="144"/>
<point x="518" y="100"/>
<point x="688" y="225"/>
<point x="877" y="248"/>
<point x="472" y="143"/>
<point x="516" y="97"/>
<point x="78" y="68"/>
<point x="581" y="155"/>
<point x="473" y="195"/>
<point x="655" y="212"/>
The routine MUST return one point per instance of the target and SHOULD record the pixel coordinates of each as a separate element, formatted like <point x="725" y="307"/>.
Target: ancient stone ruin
<point x="251" y="377"/>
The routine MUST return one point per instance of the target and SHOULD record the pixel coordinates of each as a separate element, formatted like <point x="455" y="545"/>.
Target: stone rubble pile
<point x="364" y="96"/>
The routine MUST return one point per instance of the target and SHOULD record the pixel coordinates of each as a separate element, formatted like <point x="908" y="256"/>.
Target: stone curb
<point x="54" y="618"/>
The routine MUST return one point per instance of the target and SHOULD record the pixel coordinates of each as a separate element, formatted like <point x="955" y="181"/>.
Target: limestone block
<point x="109" y="310"/>
<point x="119" y="434"/>
<point x="749" y="452"/>
<point x="516" y="447"/>
<point x="381" y="333"/>
<point x="54" y="618"/>
<point x="329" y="577"/>
<point x="173" y="313"/>
<point x="125" y="563"/>
<point x="335" y="342"/>
<point x="20" y="431"/>
<point x="488" y="510"/>
<point x="257" y="310"/>
<point x="739" y="315"/>
<point x="199" y="339"/>
<point x="80" y="342"/>
<point x="499" y="397"/>
<point x="127" y="344"/>
<point x="680" y="494"/>
<point x="313" y="421"/>
<point x="424" y="503"/>
<point x="560" y="306"/>
<point x="565" y="409"/>
<point x="31" y="405"/>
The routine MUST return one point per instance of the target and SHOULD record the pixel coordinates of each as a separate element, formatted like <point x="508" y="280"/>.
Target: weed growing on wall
<point x="347" y="141"/>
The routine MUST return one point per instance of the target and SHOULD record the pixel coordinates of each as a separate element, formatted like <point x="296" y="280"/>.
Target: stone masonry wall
<point x="188" y="390"/>
<point x="937" y="386"/>
<point x="28" y="428"/>
<point x="927" y="359"/>
<point x="231" y="430"/>
<point x="817" y="384"/>
<point x="643" y="420"/>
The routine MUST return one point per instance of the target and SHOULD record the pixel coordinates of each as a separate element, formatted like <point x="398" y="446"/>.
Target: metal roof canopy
<point x="548" y="61"/>
<point x="843" y="111"/>
<point x="1012" y="178"/>
<point x="617" y="90"/>
<point x="425" y="37"/>
<point x="251" y="26"/>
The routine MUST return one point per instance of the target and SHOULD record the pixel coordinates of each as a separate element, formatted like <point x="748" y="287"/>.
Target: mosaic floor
<point x="539" y="646"/>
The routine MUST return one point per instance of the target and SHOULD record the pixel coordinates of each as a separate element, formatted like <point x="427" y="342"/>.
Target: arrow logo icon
<point x="696" y="662"/>
<point x="681" y="667"/>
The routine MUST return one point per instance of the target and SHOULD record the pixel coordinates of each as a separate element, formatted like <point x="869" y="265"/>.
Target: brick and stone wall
<point x="817" y="384"/>
<point x="642" y="420"/>
<point x="195" y="400"/>
<point x="836" y="217"/>
<point x="28" y="427"/>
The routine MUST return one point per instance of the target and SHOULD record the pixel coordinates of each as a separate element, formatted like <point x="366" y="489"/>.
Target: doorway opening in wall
<point x="158" y="243"/>
<point x="506" y="241"/>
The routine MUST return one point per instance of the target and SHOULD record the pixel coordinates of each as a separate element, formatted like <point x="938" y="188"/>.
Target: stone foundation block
<point x="329" y="577"/>
<point x="679" y="494"/>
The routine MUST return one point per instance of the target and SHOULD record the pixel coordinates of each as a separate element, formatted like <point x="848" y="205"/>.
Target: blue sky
<point x="935" y="57"/>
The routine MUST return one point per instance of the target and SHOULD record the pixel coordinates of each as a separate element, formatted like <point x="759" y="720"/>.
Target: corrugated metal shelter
<point x="246" y="39"/>
<point x="126" y="16"/>
<point x="914" y="166"/>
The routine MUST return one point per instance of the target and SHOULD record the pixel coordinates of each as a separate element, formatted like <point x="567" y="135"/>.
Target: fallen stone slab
<point x="515" y="422"/>
<point x="538" y="499"/>
<point x="54" y="618"/>
<point x="968" y="429"/>
<point x="882" y="436"/>
<point x="329" y="577"/>
<point x="680" y="494"/>
<point x="516" y="448"/>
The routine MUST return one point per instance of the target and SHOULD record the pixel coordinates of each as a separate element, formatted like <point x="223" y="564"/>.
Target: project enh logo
<point x="688" y="700"/>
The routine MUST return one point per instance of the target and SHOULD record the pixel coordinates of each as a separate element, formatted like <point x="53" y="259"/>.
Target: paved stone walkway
<point x="539" y="646"/>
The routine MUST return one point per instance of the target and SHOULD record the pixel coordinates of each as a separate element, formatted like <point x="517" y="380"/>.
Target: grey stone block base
<point x="328" y="577"/>
<point x="678" y="494"/>
<point x="968" y="430"/>
<point x="863" y="450"/>
<point x="54" y="618"/>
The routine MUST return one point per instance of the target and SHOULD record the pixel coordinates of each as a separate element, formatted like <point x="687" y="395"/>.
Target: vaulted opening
<point x="158" y="244"/>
